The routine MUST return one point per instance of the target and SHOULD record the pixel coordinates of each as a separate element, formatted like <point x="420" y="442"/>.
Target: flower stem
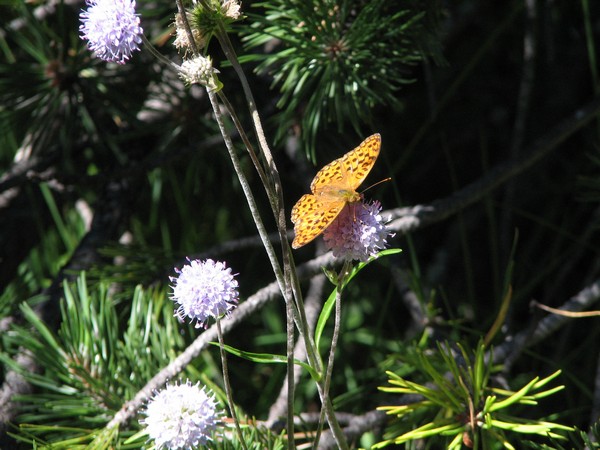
<point x="186" y="25"/>
<point x="158" y="55"/>
<point x="228" y="386"/>
<point x="289" y="285"/>
<point x="275" y="193"/>
<point x="248" y="193"/>
<point x="326" y="404"/>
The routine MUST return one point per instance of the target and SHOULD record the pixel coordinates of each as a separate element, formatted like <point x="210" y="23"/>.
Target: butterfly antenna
<point x="375" y="184"/>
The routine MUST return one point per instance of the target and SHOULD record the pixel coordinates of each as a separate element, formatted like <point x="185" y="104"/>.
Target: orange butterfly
<point x="332" y="188"/>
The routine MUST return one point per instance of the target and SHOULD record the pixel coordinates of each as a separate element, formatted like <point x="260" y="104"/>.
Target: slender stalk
<point x="227" y="47"/>
<point x="280" y="213"/>
<point x="278" y="204"/>
<point x="326" y="404"/>
<point x="158" y="55"/>
<point x="186" y="25"/>
<point x="270" y="251"/>
<point x="292" y="290"/>
<point x="289" y="284"/>
<point x="290" y="341"/>
<point x="335" y="336"/>
<point x="336" y="429"/>
<point x="228" y="386"/>
<point x="262" y="232"/>
<point x="281" y="278"/>
<point x="325" y="400"/>
<point x="258" y="166"/>
<point x="292" y="314"/>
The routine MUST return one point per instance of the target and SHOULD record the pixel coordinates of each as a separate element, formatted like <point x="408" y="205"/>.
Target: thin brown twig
<point x="509" y="351"/>
<point x="565" y="313"/>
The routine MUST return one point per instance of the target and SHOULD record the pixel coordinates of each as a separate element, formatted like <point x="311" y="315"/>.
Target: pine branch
<point x="109" y="217"/>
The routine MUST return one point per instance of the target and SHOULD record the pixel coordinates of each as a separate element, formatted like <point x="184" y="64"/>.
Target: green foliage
<point x="72" y="128"/>
<point x="334" y="61"/>
<point x="458" y="403"/>
<point x="341" y="284"/>
<point x="75" y="96"/>
<point x="96" y="359"/>
<point x="576" y="440"/>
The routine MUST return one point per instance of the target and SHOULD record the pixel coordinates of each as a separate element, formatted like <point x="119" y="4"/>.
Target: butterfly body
<point x="332" y="188"/>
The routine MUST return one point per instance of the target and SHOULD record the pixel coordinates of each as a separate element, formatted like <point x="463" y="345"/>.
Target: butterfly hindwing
<point x="311" y="217"/>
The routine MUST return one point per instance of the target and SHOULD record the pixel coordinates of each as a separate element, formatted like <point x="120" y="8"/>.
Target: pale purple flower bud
<point x="112" y="29"/>
<point x="204" y="289"/>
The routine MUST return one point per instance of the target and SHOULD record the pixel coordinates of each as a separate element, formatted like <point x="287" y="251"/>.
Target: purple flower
<point x="181" y="416"/>
<point x="204" y="289"/>
<point x="358" y="232"/>
<point x="112" y="29"/>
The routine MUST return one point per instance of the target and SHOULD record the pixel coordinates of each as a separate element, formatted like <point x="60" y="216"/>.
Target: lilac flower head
<point x="181" y="416"/>
<point x="358" y="232"/>
<point x="204" y="289"/>
<point x="112" y="29"/>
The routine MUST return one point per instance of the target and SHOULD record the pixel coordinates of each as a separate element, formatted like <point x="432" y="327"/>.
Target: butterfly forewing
<point x="349" y="171"/>
<point x="361" y="160"/>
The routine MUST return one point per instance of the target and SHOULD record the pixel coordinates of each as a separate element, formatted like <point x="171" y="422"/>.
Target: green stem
<point x="292" y="285"/>
<point x="228" y="386"/>
<point x="249" y="147"/>
<point x="247" y="192"/>
<point x="158" y="55"/>
<point x="289" y="268"/>
<point x="290" y="341"/>
<point x="291" y="313"/>
<point x="326" y="404"/>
